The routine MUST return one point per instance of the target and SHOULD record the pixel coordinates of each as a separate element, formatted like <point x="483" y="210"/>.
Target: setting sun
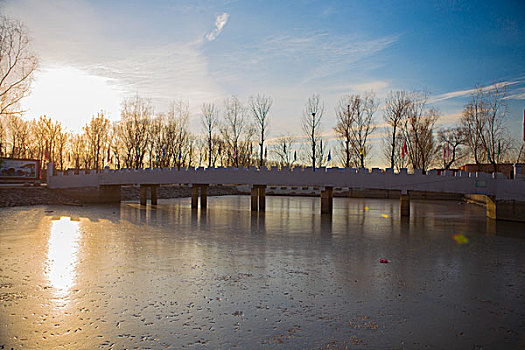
<point x="72" y="96"/>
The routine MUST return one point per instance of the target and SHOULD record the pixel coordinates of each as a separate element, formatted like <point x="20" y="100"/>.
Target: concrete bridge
<point x="505" y="199"/>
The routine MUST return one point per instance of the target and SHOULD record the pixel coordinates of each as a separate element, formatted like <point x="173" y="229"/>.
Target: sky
<point x="93" y="54"/>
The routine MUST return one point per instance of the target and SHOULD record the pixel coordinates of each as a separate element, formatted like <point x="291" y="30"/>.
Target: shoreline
<point x="19" y="196"/>
<point x="16" y="196"/>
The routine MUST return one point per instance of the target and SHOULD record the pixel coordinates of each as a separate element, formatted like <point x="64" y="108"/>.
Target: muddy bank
<point x="24" y="196"/>
<point x="16" y="196"/>
<point x="175" y="191"/>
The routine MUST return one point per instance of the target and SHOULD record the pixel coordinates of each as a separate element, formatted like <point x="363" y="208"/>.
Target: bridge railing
<point x="375" y="178"/>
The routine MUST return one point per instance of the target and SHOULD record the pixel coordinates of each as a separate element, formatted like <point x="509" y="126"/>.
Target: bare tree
<point x="96" y="135"/>
<point x="209" y="120"/>
<point x="19" y="133"/>
<point x="234" y="128"/>
<point x="284" y="150"/>
<point x="260" y="107"/>
<point x="61" y="143"/>
<point x="17" y="64"/>
<point x="79" y="152"/>
<point x="115" y="145"/>
<point x="179" y="137"/>
<point x="2" y="138"/>
<point x="311" y="122"/>
<point x="136" y="117"/>
<point x="396" y="106"/>
<point x="483" y="122"/>
<point x="453" y="142"/>
<point x="355" y="125"/>
<point x="418" y="131"/>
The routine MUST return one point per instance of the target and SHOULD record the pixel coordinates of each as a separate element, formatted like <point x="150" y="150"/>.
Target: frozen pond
<point x="168" y="277"/>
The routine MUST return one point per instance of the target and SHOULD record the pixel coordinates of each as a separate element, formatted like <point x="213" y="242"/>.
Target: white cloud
<point x="464" y="93"/>
<point x="220" y="22"/>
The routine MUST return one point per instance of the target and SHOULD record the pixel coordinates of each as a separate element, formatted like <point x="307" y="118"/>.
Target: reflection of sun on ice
<point x="62" y="255"/>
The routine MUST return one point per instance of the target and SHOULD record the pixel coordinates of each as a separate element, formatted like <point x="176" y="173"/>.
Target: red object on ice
<point x="383" y="261"/>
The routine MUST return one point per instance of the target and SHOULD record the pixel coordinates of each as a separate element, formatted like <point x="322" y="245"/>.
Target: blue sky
<point x="94" y="53"/>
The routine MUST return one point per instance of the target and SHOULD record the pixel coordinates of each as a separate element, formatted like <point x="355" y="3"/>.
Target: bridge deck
<point x="497" y="186"/>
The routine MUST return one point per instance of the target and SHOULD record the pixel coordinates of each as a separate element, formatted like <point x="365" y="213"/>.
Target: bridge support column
<point x="327" y="197"/>
<point x="204" y="196"/>
<point x="153" y="189"/>
<point x="258" y="198"/>
<point x="143" y="194"/>
<point x="262" y="197"/>
<point x="405" y="204"/>
<point x="194" y="196"/>
<point x="505" y="209"/>
<point x="254" y="197"/>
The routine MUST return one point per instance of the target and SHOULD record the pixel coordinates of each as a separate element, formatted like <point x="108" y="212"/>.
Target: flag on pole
<point x="329" y="155"/>
<point x="404" y="149"/>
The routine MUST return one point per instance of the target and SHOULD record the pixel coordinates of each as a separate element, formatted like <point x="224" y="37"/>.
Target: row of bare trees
<point x="236" y="134"/>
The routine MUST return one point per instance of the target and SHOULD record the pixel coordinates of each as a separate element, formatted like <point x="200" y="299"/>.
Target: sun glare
<point x="72" y="96"/>
<point x="62" y="255"/>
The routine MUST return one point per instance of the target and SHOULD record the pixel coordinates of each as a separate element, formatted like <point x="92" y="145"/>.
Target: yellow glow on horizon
<point x="71" y="96"/>
<point x="62" y="255"/>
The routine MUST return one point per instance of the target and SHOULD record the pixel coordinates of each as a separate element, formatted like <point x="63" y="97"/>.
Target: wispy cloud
<point x="378" y="87"/>
<point x="464" y="93"/>
<point x="220" y="22"/>
<point x="324" y="54"/>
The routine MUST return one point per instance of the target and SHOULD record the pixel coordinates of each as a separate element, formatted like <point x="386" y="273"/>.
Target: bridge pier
<point x="258" y="198"/>
<point x="154" y="198"/>
<point x="405" y="204"/>
<point x="327" y="199"/>
<point x="143" y="189"/>
<point x="195" y="196"/>
<point x="505" y="209"/>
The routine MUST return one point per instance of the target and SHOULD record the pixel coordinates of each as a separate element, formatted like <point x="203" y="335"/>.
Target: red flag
<point x="404" y="149"/>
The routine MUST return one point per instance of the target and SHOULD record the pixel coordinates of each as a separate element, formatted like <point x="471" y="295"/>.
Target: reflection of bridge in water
<point x="504" y="198"/>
